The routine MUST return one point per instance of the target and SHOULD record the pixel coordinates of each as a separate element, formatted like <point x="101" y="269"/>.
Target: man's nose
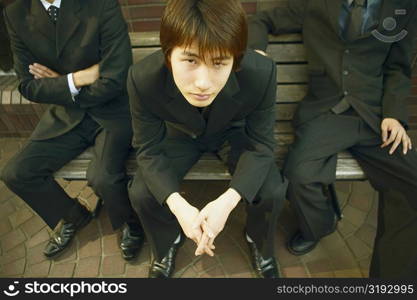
<point x="202" y="81"/>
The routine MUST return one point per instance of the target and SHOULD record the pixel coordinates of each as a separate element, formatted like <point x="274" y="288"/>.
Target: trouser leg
<point x="262" y="215"/>
<point x="311" y="167"/>
<point x="107" y="174"/>
<point x="395" y="177"/>
<point x="160" y="225"/>
<point x="29" y="174"/>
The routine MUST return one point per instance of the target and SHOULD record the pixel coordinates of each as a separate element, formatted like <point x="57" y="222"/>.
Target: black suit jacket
<point x="245" y="109"/>
<point x="375" y="76"/>
<point x="87" y="32"/>
<point x="6" y="60"/>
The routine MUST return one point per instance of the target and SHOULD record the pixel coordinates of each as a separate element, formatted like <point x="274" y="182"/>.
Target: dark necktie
<point x="53" y="13"/>
<point x="354" y="28"/>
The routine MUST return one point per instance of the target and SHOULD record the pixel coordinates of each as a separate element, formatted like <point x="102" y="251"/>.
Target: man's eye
<point x="191" y="61"/>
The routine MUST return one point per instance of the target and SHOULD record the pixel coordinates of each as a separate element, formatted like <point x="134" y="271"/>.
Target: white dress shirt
<point x="74" y="91"/>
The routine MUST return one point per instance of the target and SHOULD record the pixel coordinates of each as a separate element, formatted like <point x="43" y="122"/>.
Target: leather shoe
<point x="131" y="242"/>
<point x="61" y="239"/>
<point x="264" y="267"/>
<point x="165" y="267"/>
<point x="297" y="245"/>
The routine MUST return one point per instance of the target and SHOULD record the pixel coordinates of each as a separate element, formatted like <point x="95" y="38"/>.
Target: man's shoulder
<point x="17" y="9"/>
<point x="255" y="68"/>
<point x="255" y="62"/>
<point x="149" y="72"/>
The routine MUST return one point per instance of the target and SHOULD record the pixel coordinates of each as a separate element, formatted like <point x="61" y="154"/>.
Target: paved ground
<point x="95" y="253"/>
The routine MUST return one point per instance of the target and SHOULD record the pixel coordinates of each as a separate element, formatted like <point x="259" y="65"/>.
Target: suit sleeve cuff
<point x="74" y="91"/>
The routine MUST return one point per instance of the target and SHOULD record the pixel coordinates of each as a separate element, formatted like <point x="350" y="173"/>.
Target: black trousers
<point x="161" y="226"/>
<point x="29" y="174"/>
<point x="311" y="164"/>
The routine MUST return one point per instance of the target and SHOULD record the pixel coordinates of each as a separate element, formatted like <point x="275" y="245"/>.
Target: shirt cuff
<point x="74" y="91"/>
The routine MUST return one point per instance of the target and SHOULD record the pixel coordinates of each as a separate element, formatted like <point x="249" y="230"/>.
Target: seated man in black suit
<point x="359" y="65"/>
<point x="201" y="92"/>
<point x="74" y="55"/>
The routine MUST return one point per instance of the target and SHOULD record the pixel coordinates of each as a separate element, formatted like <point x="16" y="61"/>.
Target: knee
<point x="273" y="193"/>
<point x="298" y="174"/>
<point x="139" y="195"/>
<point x="12" y="174"/>
<point x="102" y="181"/>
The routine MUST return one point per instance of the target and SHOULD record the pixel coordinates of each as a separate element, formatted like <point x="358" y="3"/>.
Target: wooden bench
<point x="18" y="116"/>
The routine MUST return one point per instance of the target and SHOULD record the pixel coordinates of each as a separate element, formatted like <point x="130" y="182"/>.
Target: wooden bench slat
<point x="206" y="169"/>
<point x="291" y="93"/>
<point x="284" y="53"/>
<point x="292" y="74"/>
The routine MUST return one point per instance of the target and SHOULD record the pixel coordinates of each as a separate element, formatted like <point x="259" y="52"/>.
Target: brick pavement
<point x="95" y="252"/>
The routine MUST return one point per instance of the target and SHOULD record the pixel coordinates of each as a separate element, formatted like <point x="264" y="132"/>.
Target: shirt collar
<point x="46" y="4"/>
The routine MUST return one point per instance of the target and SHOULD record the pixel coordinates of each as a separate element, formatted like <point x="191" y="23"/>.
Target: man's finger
<point x="201" y="246"/>
<point x="395" y="145"/>
<point x="199" y="220"/>
<point x="392" y="136"/>
<point x="384" y="134"/>
<point x="405" y="141"/>
<point x="208" y="230"/>
<point x="38" y="72"/>
<point x="197" y="235"/>
<point x="208" y="251"/>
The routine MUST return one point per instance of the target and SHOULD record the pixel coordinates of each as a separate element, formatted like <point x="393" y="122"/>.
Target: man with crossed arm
<point x="74" y="55"/>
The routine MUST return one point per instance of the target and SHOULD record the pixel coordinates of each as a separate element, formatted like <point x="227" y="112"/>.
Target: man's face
<point x="198" y="81"/>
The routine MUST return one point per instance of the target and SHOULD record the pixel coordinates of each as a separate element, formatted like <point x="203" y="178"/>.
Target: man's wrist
<point x="174" y="201"/>
<point x="73" y="89"/>
<point x="232" y="198"/>
<point x="78" y="80"/>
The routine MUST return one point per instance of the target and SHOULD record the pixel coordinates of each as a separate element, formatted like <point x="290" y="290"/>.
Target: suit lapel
<point x="40" y="20"/>
<point x="68" y="21"/>
<point x="334" y="8"/>
<point x="224" y="107"/>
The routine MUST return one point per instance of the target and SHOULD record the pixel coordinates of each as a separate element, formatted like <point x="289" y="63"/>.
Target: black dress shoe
<point x="297" y="245"/>
<point x="264" y="267"/>
<point x="165" y="267"/>
<point x="61" y="239"/>
<point x="131" y="242"/>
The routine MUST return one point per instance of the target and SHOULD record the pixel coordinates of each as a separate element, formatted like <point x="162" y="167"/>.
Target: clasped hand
<point x="203" y="226"/>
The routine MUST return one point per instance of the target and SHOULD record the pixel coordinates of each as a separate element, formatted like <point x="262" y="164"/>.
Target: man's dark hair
<point x="219" y="27"/>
